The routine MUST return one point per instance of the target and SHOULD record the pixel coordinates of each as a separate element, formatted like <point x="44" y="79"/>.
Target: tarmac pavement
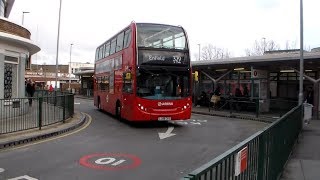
<point x="304" y="163"/>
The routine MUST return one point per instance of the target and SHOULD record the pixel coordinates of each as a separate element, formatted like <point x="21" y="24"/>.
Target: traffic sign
<point x="108" y="161"/>
<point x="241" y="161"/>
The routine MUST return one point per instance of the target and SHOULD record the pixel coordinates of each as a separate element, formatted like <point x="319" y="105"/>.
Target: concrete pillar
<point x="21" y="80"/>
<point x="1" y="75"/>
<point x="316" y="100"/>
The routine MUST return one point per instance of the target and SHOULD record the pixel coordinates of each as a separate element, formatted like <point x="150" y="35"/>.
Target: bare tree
<point x="211" y="52"/>
<point x="291" y="45"/>
<point x="260" y="47"/>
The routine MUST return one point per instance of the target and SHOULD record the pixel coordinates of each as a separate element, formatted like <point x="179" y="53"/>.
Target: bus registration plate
<point x="164" y="118"/>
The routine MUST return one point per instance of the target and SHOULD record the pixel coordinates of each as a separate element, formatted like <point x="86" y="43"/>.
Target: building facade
<point x="16" y="50"/>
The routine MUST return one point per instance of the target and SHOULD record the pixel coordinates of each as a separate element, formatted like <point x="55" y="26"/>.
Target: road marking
<point x="109" y="161"/>
<point x="1" y="170"/>
<point x="190" y="122"/>
<point x="102" y="161"/>
<point x="53" y="138"/>
<point x="76" y="103"/>
<point x="167" y="133"/>
<point x="25" y="177"/>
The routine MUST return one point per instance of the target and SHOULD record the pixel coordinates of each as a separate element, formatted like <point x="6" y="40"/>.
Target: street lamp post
<point x="301" y="55"/>
<point x="199" y="52"/>
<point x="70" y="67"/>
<point x="24" y="12"/>
<point x="57" y="54"/>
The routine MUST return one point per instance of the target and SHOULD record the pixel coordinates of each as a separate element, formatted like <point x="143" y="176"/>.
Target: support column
<point x="316" y="100"/>
<point x="1" y="75"/>
<point x="21" y="74"/>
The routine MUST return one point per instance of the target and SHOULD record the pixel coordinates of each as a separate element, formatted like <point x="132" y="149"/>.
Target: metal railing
<point x="262" y="156"/>
<point x="47" y="108"/>
<point x="242" y="105"/>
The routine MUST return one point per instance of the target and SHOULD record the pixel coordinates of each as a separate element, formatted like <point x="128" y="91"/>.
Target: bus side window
<point x="127" y="38"/>
<point x="119" y="42"/>
<point x="113" y="46"/>
<point x="107" y="50"/>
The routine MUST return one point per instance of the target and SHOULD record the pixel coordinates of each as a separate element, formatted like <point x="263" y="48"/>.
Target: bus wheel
<point x="118" y="110"/>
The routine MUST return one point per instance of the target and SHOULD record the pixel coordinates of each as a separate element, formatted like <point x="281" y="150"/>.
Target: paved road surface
<point x="110" y="149"/>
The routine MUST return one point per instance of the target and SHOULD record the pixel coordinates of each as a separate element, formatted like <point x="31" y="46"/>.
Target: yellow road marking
<point x="53" y="138"/>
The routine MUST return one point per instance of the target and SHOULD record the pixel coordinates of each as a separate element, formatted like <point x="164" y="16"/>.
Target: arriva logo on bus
<point x="165" y="103"/>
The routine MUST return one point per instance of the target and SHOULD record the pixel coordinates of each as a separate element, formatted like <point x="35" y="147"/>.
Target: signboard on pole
<point x="256" y="73"/>
<point x="241" y="161"/>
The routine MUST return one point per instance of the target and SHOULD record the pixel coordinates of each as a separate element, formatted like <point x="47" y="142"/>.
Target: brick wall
<point x="11" y="28"/>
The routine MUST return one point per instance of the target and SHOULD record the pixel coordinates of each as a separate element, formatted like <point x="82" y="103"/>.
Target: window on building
<point x="2" y="3"/>
<point x="10" y="77"/>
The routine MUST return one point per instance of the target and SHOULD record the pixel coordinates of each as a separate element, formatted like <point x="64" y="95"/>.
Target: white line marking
<point x="25" y="177"/>
<point x="167" y="133"/>
<point x="1" y="170"/>
<point x="76" y="103"/>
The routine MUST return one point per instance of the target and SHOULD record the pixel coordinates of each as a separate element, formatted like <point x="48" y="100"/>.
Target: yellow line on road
<point x="53" y="138"/>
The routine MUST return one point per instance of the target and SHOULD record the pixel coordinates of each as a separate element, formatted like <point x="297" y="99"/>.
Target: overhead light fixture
<point x="288" y="70"/>
<point x="238" y="69"/>
<point x="308" y="70"/>
<point x="245" y="71"/>
<point x="219" y="70"/>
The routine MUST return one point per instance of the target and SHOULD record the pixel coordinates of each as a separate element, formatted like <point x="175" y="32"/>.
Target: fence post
<point x="262" y="157"/>
<point x="72" y="104"/>
<point x="64" y="108"/>
<point x="231" y="105"/>
<point x="257" y="108"/>
<point x="40" y="112"/>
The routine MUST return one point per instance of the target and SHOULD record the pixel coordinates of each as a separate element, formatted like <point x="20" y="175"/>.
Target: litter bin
<point x="307" y="112"/>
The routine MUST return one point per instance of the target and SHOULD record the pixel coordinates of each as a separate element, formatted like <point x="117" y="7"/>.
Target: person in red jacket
<point x="50" y="88"/>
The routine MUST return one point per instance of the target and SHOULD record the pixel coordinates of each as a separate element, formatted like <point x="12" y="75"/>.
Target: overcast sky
<point x="231" y="24"/>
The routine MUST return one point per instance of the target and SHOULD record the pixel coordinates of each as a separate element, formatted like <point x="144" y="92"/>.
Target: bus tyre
<point x="118" y="111"/>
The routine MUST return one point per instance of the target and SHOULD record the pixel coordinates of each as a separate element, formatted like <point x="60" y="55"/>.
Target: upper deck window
<point x="161" y="36"/>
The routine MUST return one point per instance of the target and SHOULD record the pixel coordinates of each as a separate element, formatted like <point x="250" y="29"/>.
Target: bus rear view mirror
<point x="196" y="75"/>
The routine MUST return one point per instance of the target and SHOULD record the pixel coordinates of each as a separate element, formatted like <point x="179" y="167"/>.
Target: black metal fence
<point x="275" y="107"/>
<point x="47" y="108"/>
<point x="260" y="157"/>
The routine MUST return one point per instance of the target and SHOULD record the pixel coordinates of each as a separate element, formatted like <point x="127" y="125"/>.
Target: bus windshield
<point x="162" y="83"/>
<point x="161" y="36"/>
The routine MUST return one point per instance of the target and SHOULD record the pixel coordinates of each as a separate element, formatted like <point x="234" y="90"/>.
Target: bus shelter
<point x="272" y="78"/>
<point x="86" y="79"/>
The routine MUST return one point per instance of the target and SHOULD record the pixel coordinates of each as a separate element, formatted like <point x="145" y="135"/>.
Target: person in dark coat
<point x="30" y="90"/>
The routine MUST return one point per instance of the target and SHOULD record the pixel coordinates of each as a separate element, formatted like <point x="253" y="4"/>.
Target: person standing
<point x="30" y="91"/>
<point x="50" y="88"/>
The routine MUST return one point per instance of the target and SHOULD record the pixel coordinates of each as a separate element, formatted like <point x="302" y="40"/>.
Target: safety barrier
<point x="260" y="157"/>
<point x="47" y="108"/>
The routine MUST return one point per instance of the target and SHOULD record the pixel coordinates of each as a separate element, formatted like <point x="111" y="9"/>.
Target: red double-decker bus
<point x="143" y="73"/>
